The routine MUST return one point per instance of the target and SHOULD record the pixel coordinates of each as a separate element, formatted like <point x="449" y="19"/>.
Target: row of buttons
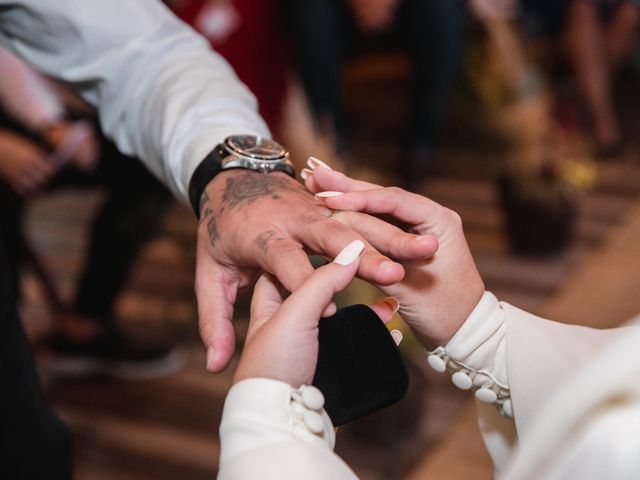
<point x="306" y="404"/>
<point x="438" y="360"/>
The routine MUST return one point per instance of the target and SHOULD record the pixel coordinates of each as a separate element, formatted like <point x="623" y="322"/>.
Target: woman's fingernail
<point x="328" y="194"/>
<point x="397" y="336"/>
<point x="330" y="310"/>
<point x="350" y="253"/>
<point x="211" y="354"/>
<point x="305" y="172"/>
<point x="393" y="302"/>
<point x="313" y="162"/>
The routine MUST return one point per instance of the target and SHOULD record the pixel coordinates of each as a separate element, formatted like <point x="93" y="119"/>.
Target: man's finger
<point x="328" y="236"/>
<point x="266" y="300"/>
<point x="284" y="258"/>
<point x="309" y="301"/>
<point x="216" y="291"/>
<point x="389" y="239"/>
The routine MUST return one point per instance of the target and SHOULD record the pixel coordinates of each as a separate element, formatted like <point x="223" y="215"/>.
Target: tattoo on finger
<point x="265" y="239"/>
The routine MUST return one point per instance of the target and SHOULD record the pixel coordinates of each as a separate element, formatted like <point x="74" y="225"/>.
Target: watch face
<point x="255" y="147"/>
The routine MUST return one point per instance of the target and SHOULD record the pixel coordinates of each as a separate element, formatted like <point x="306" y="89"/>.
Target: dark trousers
<point x="34" y="443"/>
<point x="324" y="32"/>
<point x="129" y="216"/>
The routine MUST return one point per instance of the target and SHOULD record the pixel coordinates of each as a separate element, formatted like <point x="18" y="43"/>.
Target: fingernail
<point x="305" y="172"/>
<point x="211" y="354"/>
<point x="328" y="194"/>
<point x="350" y="253"/>
<point x="387" y="265"/>
<point x="313" y="162"/>
<point x="397" y="336"/>
<point x="393" y="302"/>
<point x="330" y="310"/>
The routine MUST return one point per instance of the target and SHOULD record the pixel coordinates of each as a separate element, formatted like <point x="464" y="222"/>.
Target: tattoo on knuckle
<point x="265" y="240"/>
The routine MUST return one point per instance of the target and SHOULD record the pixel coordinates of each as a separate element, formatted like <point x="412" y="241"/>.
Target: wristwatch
<point x="239" y="151"/>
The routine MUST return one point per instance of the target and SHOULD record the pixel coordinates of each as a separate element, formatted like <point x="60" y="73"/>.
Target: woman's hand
<point x="23" y="164"/>
<point x="437" y="294"/>
<point x="282" y="340"/>
<point x="73" y="142"/>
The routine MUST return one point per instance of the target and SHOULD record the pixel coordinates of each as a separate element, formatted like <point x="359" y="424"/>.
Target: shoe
<point x="111" y="354"/>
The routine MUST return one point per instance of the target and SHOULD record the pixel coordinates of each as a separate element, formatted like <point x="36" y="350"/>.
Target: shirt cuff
<point x="480" y="342"/>
<point x="261" y="411"/>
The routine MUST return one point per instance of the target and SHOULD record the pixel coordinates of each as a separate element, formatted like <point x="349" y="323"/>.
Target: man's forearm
<point x="163" y="95"/>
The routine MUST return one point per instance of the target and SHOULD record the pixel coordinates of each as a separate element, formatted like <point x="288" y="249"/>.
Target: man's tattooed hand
<point x="206" y="216"/>
<point x="282" y="225"/>
<point x="247" y="188"/>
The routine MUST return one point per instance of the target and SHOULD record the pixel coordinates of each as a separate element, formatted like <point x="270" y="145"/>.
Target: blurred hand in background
<point x="374" y="15"/>
<point x="24" y="164"/>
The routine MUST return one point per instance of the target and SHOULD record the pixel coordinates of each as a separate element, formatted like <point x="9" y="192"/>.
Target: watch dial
<point x="255" y="147"/>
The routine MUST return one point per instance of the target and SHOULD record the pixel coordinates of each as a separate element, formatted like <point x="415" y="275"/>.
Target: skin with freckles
<point x="252" y="222"/>
<point x="437" y="293"/>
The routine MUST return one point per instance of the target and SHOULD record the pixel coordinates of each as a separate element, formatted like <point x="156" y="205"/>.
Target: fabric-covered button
<point x="486" y="395"/>
<point x="313" y="421"/>
<point x="461" y="380"/>
<point x="312" y="398"/>
<point x="297" y="409"/>
<point x="507" y="408"/>
<point x="435" y="362"/>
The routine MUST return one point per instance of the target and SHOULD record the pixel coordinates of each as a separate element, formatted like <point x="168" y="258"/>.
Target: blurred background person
<point x="249" y="35"/>
<point x="599" y="36"/>
<point x="43" y="148"/>
<point x="324" y="33"/>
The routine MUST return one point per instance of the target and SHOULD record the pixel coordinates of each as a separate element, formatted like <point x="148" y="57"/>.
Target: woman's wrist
<point x="476" y="355"/>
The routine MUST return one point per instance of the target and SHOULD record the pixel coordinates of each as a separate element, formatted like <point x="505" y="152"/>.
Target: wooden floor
<point x="167" y="428"/>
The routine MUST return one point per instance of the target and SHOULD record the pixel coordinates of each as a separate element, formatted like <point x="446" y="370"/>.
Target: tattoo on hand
<point x="246" y="189"/>
<point x="206" y="215"/>
<point x="265" y="239"/>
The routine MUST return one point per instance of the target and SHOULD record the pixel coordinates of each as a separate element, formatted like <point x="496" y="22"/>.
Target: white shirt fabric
<point x="575" y="394"/>
<point x="26" y="96"/>
<point x="162" y="94"/>
<point x="264" y="436"/>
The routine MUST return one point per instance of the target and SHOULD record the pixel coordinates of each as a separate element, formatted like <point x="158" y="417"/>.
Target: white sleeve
<point x="266" y="433"/>
<point x="162" y="94"/>
<point x="25" y="95"/>
<point x="522" y="357"/>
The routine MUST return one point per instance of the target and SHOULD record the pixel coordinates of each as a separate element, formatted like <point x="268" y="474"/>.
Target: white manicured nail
<point x="397" y="336"/>
<point x="305" y="172"/>
<point x="350" y="253"/>
<point x="328" y="194"/>
<point x="313" y="162"/>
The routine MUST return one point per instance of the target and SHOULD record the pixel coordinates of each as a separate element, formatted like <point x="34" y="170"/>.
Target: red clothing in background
<point x="253" y="45"/>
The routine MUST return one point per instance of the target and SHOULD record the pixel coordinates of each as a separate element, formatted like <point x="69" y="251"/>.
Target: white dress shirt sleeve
<point x="264" y="434"/>
<point x="162" y="94"/>
<point x="530" y="356"/>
